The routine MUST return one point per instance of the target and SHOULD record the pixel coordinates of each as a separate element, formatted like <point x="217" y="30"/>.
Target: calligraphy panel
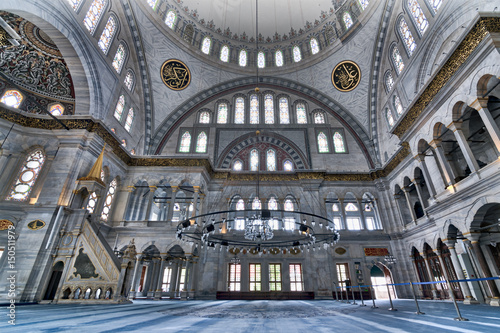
<point x="376" y="251"/>
<point x="175" y="74"/>
<point x="346" y="76"/>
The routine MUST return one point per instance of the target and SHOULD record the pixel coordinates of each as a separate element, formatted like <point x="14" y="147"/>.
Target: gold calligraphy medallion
<point x="346" y="76"/>
<point x="36" y="225"/>
<point x="175" y="74"/>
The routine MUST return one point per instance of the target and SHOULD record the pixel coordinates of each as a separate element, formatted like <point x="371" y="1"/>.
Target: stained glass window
<point x="347" y="20"/>
<point x="408" y="39"/>
<point x="314" y="45"/>
<point x="185" y="142"/>
<point x="272" y="204"/>
<point x="129" y="80"/>
<point x="397" y="59"/>
<point x="234" y="277"/>
<point x="119" y="108"/>
<point x="224" y="53"/>
<point x="364" y="3"/>
<point x="27" y="176"/>
<point x="92" y="202"/>
<point x="300" y="109"/>
<point x="389" y="81"/>
<point x="288" y="206"/>
<point x="254" y="160"/>
<point x="119" y="58"/>
<point x="350" y="207"/>
<point x="222" y="114"/>
<point x="124" y="143"/>
<point x="255" y="277"/>
<point x="204" y="117"/>
<point x="323" y="143"/>
<point x="271" y="160"/>
<point x="153" y="3"/>
<point x="269" y="109"/>
<point x="109" y="200"/>
<point x="256" y="204"/>
<point x="254" y="109"/>
<point x="240" y="205"/>
<point x="288" y="165"/>
<point x="239" y="111"/>
<point x="237" y="166"/>
<point x="56" y="109"/>
<point x="397" y="105"/>
<point x="274" y="277"/>
<point x="335" y="207"/>
<point x="94" y="15"/>
<point x="201" y="143"/>
<point x="170" y="19"/>
<point x="297" y="56"/>
<point x="390" y="118"/>
<point x="107" y="35"/>
<point x="75" y="3"/>
<point x="12" y="98"/>
<point x="278" y="58"/>
<point x="435" y="4"/>
<point x="319" y="118"/>
<point x="284" y="113"/>
<point x="130" y="119"/>
<point x="418" y="16"/>
<point x="205" y="45"/>
<point x="261" y="59"/>
<point x="338" y="143"/>
<point x="296" y="282"/>
<point x="242" y="59"/>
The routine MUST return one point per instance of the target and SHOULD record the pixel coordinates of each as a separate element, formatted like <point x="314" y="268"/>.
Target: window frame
<point x="257" y="278"/>
<point x="298" y="283"/>
<point x="273" y="279"/>
<point x="237" y="277"/>
<point x="341" y="132"/>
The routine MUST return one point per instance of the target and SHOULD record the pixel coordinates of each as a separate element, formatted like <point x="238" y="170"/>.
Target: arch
<point x="108" y="34"/>
<point x="243" y="58"/>
<point x="54" y="280"/>
<point x="406" y="36"/>
<point x="397" y="59"/>
<point x="486" y="85"/>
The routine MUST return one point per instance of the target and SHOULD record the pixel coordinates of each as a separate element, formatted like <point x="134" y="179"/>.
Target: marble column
<point x="173" y="278"/>
<point x="449" y="177"/>
<point x="445" y="272"/>
<point x="133" y="286"/>
<point x="434" y="292"/>
<point x="158" y="291"/>
<point x="152" y="190"/>
<point x="468" y="299"/>
<point x="361" y="212"/>
<point x="406" y="191"/>
<point x="342" y="212"/>
<point x="425" y="172"/>
<point x="178" y="288"/>
<point x="419" y="291"/>
<point x="398" y="208"/>
<point x="170" y="212"/>
<point x="154" y="276"/>
<point x="193" y="280"/>
<point x="64" y="275"/>
<point x="195" y="200"/>
<point x="187" y="280"/>
<point x="481" y="105"/>
<point x="456" y="127"/>
<point x="417" y="182"/>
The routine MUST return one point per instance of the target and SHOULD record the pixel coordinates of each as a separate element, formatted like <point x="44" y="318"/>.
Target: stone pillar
<point x="64" y="275"/>
<point x="429" y="272"/>
<point x="456" y="127"/>
<point x="398" y="208"/>
<point x="416" y="182"/>
<point x="158" y="291"/>
<point x="154" y="275"/>
<point x="193" y="280"/>
<point x="449" y="177"/>
<point x="342" y="213"/>
<point x="121" y="280"/>
<point x="173" y="278"/>
<point x="485" y="270"/>
<point x="179" y="276"/>
<point x="480" y="105"/>
<point x="187" y="281"/>
<point x="419" y="290"/>
<point x="170" y="212"/>
<point x="458" y="270"/>
<point x="428" y="180"/>
<point x="445" y="272"/>
<point x="361" y="212"/>
<point x="195" y="200"/>
<point x="406" y="191"/>
<point x="152" y="190"/>
<point x="129" y="200"/>
<point x="133" y="286"/>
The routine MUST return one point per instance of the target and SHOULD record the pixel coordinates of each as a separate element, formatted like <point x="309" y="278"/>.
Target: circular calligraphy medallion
<point x="5" y="224"/>
<point x="346" y="76"/>
<point x="36" y="225"/>
<point x="340" y="250"/>
<point x="175" y="74"/>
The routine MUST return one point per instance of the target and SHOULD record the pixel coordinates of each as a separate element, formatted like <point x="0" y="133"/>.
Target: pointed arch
<point x="27" y="176"/>
<point x="94" y="15"/>
<point x="108" y="34"/>
<point x="201" y="142"/>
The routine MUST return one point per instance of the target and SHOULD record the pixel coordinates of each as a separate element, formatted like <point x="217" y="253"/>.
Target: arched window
<point x="300" y="110"/>
<point x="363" y="3"/>
<point x="129" y="80"/>
<point x="109" y="200"/>
<point x="350" y="207"/>
<point x="119" y="58"/>
<point x="27" y="176"/>
<point x="314" y="45"/>
<point x="335" y="207"/>
<point x="224" y="53"/>
<point x="272" y="204"/>
<point x="390" y="118"/>
<point x="261" y="59"/>
<point x="222" y="114"/>
<point x="435" y="4"/>
<point x="239" y="111"/>
<point x="242" y="59"/>
<point x="201" y="143"/>
<point x="389" y="81"/>
<point x="254" y="160"/>
<point x="119" y="108"/>
<point x="237" y="165"/>
<point x="407" y="37"/>
<point x="338" y="143"/>
<point x="56" y="109"/>
<point x="397" y="105"/>
<point x="288" y="165"/>
<point x="269" y="109"/>
<point x="271" y="160"/>
<point x="205" y="45"/>
<point x="256" y="204"/>
<point x="12" y="98"/>
<point x="418" y="16"/>
<point x="284" y="113"/>
<point x="278" y="58"/>
<point x="240" y="205"/>
<point x="75" y="4"/>
<point x="130" y="120"/>
<point x="188" y="33"/>
<point x="204" y="117"/>
<point x="94" y="15"/>
<point x="288" y="205"/>
<point x="297" y="56"/>
<point x="107" y="35"/>
<point x="347" y="20"/>
<point x="397" y="60"/>
<point x="185" y="142"/>
<point x="254" y="109"/>
<point x="170" y="19"/>
<point x="323" y="143"/>
<point x="319" y="118"/>
<point x="330" y="34"/>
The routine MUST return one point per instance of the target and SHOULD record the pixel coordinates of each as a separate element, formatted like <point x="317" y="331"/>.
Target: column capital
<point x="152" y="188"/>
<point x="416" y="180"/>
<point x="473" y="236"/>
<point x="419" y="157"/>
<point x="479" y="103"/>
<point x="450" y="242"/>
<point x="455" y="126"/>
<point x="174" y="188"/>
<point x="196" y="189"/>
<point x="435" y="143"/>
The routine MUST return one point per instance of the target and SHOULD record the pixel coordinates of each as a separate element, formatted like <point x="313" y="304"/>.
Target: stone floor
<point x="252" y="316"/>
